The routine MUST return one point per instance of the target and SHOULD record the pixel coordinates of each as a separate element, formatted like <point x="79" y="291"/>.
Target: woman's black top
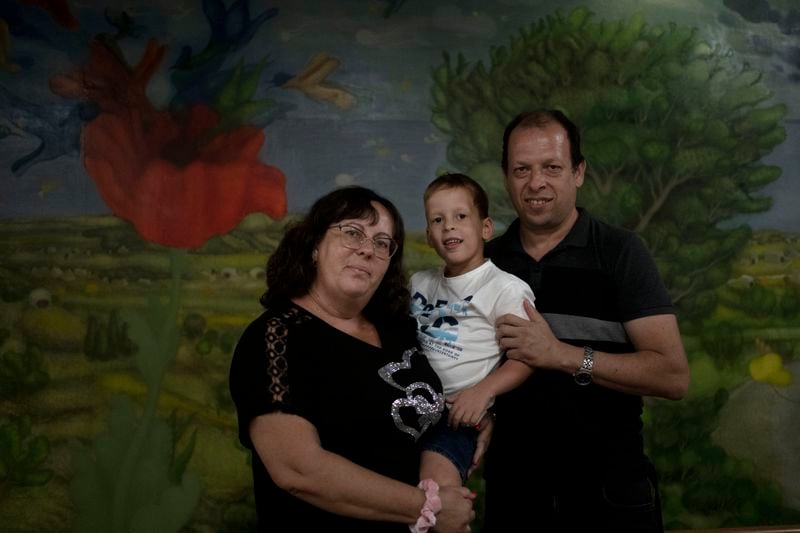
<point x="368" y="404"/>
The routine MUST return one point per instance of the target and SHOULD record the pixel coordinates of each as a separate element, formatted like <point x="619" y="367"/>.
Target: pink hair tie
<point x="433" y="504"/>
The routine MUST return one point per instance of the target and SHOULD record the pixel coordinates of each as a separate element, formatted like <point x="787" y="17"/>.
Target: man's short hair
<point x="539" y="119"/>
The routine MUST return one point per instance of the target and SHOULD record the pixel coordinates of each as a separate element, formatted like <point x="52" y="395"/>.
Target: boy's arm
<point x="470" y="405"/>
<point x="508" y="376"/>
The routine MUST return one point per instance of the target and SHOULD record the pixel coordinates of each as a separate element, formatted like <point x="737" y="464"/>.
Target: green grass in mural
<point x="706" y="484"/>
<point x="68" y="358"/>
<point x="67" y="364"/>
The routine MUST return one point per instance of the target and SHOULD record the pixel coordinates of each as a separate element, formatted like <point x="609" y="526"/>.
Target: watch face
<point x="583" y="378"/>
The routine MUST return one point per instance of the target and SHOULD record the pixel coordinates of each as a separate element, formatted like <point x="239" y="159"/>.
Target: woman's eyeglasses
<point x="353" y="238"/>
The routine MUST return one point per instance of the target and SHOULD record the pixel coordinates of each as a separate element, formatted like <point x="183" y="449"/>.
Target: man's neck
<point x="537" y="242"/>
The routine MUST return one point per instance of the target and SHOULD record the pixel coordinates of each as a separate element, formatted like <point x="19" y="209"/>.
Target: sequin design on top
<point x="277" y="367"/>
<point x="429" y="411"/>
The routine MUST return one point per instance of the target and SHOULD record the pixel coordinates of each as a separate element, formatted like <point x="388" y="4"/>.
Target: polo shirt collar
<point x="578" y="236"/>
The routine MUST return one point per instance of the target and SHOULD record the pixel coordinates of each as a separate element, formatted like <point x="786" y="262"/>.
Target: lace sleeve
<point x="277" y="366"/>
<point x="259" y="374"/>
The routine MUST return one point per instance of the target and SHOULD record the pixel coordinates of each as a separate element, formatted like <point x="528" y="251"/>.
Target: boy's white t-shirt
<point x="456" y="320"/>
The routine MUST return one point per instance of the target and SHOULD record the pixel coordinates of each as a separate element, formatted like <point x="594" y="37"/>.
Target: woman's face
<point x="351" y="274"/>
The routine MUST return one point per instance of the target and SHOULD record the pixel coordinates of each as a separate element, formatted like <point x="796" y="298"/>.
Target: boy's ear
<point x="488" y="228"/>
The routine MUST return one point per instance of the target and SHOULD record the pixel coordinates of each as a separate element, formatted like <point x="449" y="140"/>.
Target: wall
<point x="151" y="156"/>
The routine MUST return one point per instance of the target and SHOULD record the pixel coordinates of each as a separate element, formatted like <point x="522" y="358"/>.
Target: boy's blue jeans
<point x="458" y="445"/>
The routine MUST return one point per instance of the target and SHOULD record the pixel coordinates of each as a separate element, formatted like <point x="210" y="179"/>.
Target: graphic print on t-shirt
<point x="438" y="323"/>
<point x="426" y="412"/>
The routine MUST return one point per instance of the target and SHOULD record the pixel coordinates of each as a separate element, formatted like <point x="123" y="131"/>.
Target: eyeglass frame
<point x="393" y="247"/>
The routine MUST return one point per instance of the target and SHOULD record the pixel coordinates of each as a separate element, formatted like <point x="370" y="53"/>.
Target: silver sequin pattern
<point x="429" y="412"/>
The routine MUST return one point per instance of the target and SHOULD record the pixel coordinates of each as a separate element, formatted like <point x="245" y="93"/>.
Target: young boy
<point x="456" y="307"/>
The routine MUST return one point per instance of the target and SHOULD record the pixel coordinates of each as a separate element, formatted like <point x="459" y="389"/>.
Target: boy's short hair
<point x="454" y="180"/>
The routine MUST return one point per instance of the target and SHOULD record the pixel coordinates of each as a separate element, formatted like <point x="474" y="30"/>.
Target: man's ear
<point x="579" y="173"/>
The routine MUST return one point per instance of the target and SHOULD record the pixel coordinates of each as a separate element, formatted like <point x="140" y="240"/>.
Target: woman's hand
<point x="485" y="429"/>
<point x="457" y="513"/>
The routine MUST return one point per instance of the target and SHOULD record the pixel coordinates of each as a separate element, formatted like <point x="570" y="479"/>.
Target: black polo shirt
<point x="587" y="287"/>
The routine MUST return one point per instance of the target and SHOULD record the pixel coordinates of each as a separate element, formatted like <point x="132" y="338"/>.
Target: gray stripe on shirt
<point x="585" y="328"/>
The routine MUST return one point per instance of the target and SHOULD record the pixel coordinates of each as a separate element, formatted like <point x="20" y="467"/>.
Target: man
<point x="567" y="453"/>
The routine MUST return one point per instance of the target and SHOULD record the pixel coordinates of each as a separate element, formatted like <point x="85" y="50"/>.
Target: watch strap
<point x="583" y="376"/>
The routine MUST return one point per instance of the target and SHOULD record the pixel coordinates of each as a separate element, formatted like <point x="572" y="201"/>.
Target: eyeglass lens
<point x="354" y="238"/>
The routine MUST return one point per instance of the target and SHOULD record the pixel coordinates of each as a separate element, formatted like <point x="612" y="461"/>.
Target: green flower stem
<point x="167" y="343"/>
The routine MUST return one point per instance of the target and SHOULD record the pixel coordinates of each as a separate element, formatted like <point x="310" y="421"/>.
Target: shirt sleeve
<point x="641" y="291"/>
<point x="259" y="374"/>
<point x="510" y="297"/>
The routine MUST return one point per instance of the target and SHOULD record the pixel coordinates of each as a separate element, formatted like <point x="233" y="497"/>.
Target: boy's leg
<point x="439" y="468"/>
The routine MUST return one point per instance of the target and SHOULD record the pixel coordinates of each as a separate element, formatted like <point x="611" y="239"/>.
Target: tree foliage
<point x="674" y="131"/>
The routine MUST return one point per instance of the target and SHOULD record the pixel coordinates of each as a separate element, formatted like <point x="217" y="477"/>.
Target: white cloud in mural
<point x="522" y="2"/>
<point x="445" y="21"/>
<point x="766" y="40"/>
<point x="433" y="137"/>
<point x="451" y="19"/>
<point x="343" y="179"/>
<point x="388" y="38"/>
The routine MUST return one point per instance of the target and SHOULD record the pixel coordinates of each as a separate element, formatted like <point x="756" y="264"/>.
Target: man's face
<point x="540" y="180"/>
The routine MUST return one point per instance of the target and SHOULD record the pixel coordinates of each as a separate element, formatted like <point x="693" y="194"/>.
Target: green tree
<point x="674" y="131"/>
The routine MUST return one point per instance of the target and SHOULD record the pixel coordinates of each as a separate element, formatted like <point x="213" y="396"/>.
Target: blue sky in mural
<point x="373" y="126"/>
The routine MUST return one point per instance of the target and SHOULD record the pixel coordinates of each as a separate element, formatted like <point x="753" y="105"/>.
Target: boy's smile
<point x="455" y="229"/>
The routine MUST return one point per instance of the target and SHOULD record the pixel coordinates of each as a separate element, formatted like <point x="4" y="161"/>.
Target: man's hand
<point x="530" y="341"/>
<point x="656" y="367"/>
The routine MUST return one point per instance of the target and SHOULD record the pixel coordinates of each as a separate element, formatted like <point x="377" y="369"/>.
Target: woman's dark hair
<point x="291" y="269"/>
<point x="540" y="118"/>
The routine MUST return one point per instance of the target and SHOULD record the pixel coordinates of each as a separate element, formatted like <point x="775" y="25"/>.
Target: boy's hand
<point x="468" y="407"/>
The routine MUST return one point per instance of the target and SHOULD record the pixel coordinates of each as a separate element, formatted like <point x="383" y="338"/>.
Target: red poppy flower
<point x="175" y="188"/>
<point x="177" y="177"/>
<point x="59" y="10"/>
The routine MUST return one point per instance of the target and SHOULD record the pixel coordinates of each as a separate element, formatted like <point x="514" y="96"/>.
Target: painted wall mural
<point x="152" y="153"/>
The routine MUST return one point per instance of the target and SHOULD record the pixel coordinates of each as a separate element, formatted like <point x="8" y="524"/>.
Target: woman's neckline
<point x="357" y="327"/>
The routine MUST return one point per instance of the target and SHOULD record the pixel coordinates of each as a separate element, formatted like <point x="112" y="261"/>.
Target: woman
<point x="330" y="391"/>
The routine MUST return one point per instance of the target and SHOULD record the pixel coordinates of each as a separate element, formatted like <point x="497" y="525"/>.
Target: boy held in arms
<point x="456" y="307"/>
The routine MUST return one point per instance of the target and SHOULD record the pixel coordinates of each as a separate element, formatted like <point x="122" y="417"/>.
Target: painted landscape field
<point x="107" y="399"/>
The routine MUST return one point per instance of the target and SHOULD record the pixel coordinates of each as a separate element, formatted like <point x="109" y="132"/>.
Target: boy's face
<point x="455" y="229"/>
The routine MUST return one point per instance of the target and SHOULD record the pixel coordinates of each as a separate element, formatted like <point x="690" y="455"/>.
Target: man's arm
<point x="658" y="367"/>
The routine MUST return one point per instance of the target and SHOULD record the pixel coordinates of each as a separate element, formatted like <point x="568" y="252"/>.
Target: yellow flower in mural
<point x="53" y="328"/>
<point x="768" y="368"/>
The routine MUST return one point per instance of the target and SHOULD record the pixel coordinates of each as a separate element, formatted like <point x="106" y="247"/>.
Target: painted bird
<point x="58" y="129"/>
<point x="311" y="81"/>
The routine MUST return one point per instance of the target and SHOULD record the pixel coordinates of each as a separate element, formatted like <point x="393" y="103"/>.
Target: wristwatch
<point x="584" y="374"/>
